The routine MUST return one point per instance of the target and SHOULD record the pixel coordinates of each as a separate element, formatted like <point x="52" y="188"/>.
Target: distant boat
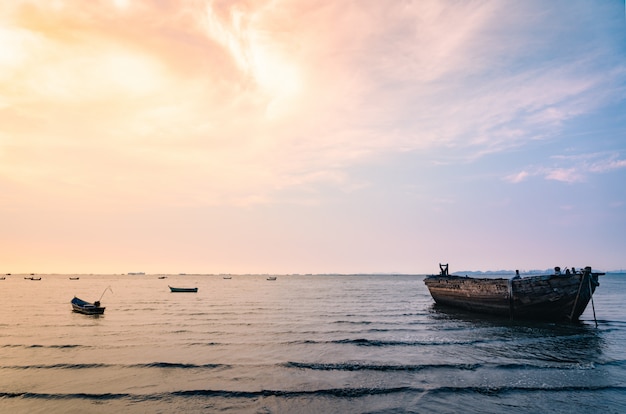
<point x="558" y="296"/>
<point x="86" y="308"/>
<point x="227" y="277"/>
<point x="271" y="278"/>
<point x="2" y="278"/>
<point x="175" y="289"/>
<point x="32" y="278"/>
<point x="74" y="278"/>
<point x="162" y="277"/>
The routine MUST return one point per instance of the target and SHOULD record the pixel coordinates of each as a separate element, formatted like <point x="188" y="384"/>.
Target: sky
<point x="311" y="136"/>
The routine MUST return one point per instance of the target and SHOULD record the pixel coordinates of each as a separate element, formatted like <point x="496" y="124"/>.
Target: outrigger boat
<point x="87" y="308"/>
<point x="175" y="289"/>
<point x="561" y="296"/>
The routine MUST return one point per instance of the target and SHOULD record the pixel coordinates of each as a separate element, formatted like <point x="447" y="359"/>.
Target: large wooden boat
<point x="87" y="308"/>
<point x="561" y="296"/>
<point x="182" y="289"/>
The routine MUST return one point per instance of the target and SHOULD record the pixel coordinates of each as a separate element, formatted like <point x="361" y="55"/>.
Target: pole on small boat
<point x="592" y="305"/>
<point x="107" y="288"/>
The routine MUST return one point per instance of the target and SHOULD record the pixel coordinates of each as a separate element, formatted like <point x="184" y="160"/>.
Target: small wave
<point x="180" y="365"/>
<point x="377" y="342"/>
<point x="492" y="391"/>
<point x="329" y="392"/>
<point x="382" y="343"/>
<point x="204" y="343"/>
<point x="75" y="396"/>
<point x="59" y="366"/>
<point x="60" y="346"/>
<point x="335" y="392"/>
<point x="356" y="366"/>
<point x="376" y="367"/>
<point x="353" y="322"/>
<point x="161" y="365"/>
<point x="616" y="362"/>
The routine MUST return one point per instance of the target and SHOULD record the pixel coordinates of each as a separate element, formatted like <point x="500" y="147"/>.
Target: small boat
<point x="561" y="296"/>
<point x="271" y="278"/>
<point x="34" y="278"/>
<point x="162" y="277"/>
<point x="2" y="278"/>
<point x="87" y="308"/>
<point x="74" y="278"/>
<point x="175" y="289"/>
<point x="227" y="277"/>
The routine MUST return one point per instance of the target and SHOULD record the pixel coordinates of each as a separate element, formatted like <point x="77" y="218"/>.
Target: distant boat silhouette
<point x="175" y="289"/>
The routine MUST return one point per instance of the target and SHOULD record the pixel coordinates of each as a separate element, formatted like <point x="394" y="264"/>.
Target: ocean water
<point x="299" y="344"/>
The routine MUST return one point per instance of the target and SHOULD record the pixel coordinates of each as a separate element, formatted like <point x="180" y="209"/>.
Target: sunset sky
<point x="311" y="136"/>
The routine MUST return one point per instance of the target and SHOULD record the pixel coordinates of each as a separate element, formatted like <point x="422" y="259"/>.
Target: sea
<point x="297" y="344"/>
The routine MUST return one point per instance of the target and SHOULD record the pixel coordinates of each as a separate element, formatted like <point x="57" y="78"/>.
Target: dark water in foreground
<point x="300" y="344"/>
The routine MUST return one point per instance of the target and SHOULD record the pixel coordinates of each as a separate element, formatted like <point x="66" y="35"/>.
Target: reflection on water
<point x="532" y="342"/>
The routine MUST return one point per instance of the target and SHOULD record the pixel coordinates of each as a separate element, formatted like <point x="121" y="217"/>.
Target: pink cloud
<point x="517" y="178"/>
<point x="568" y="175"/>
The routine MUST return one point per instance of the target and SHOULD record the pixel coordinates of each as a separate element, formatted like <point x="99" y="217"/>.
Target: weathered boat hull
<point x="190" y="290"/>
<point x="557" y="297"/>
<point x="87" y="308"/>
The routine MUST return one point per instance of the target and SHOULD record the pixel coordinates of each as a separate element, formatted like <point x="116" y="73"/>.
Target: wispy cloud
<point x="518" y="177"/>
<point x="608" y="165"/>
<point x="567" y="175"/>
<point x="245" y="99"/>
<point x="572" y="168"/>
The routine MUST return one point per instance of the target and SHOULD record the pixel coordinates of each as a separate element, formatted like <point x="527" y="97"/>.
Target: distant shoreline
<point x="187" y="275"/>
